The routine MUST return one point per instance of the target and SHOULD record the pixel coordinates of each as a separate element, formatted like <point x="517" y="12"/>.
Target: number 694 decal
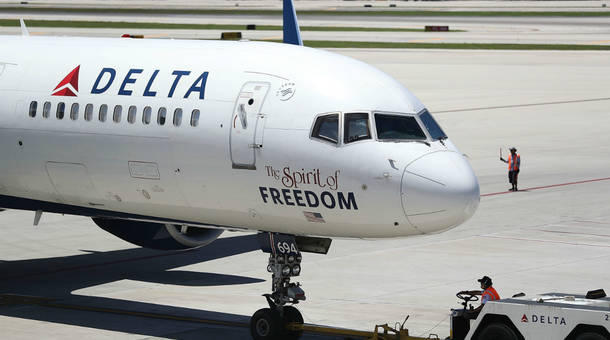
<point x="278" y="243"/>
<point x="285" y="248"/>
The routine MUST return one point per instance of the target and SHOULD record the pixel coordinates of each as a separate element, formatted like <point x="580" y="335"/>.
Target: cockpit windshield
<point x="356" y="127"/>
<point x="433" y="128"/>
<point x="394" y="127"/>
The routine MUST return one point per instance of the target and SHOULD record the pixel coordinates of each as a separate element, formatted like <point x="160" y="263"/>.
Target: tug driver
<point x="488" y="293"/>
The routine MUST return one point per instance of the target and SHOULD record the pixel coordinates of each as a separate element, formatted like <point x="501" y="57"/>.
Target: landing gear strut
<point x="284" y="263"/>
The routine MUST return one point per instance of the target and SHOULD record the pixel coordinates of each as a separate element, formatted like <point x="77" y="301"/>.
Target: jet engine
<point x="157" y="235"/>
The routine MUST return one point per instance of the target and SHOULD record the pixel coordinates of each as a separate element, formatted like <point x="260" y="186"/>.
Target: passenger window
<point x="195" y="118"/>
<point x="74" y="111"/>
<point x="161" y="116"/>
<point x="46" y="110"/>
<point x="33" y="108"/>
<point x="89" y="112"/>
<point x="356" y="127"/>
<point x="395" y="127"/>
<point x="116" y="116"/>
<point x="61" y="109"/>
<point x="327" y="128"/>
<point x="177" y="117"/>
<point x="131" y="114"/>
<point x="103" y="112"/>
<point x="146" y="115"/>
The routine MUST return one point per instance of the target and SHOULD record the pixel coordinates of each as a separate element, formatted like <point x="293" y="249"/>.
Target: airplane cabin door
<point x="247" y="122"/>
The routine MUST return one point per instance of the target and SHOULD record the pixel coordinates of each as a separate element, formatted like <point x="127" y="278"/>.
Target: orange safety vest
<point x="513" y="163"/>
<point x="491" y="294"/>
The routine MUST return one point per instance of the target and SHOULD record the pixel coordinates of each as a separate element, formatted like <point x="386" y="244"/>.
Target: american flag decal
<point x="313" y="217"/>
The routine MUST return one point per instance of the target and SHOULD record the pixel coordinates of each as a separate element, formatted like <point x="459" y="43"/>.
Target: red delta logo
<point x="524" y="318"/>
<point x="68" y="87"/>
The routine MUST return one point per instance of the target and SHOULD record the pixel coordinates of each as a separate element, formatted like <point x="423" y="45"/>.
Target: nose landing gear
<point x="284" y="263"/>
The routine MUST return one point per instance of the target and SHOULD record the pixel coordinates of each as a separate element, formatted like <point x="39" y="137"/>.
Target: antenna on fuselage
<point x="24" y="30"/>
<point x="292" y="33"/>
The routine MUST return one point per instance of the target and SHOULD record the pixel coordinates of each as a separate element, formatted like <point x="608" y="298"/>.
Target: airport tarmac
<point x="581" y="31"/>
<point x="468" y="29"/>
<point x="330" y="5"/>
<point x="554" y="235"/>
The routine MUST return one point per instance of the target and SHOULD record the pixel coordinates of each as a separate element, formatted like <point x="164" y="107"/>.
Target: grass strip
<point x="152" y="25"/>
<point x="374" y="12"/>
<point x="454" y="46"/>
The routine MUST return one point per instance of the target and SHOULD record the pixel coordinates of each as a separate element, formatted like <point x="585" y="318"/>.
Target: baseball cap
<point x="486" y="280"/>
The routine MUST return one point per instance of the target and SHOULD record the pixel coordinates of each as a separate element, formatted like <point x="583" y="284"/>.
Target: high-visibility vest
<point x="491" y="295"/>
<point x="514" y="162"/>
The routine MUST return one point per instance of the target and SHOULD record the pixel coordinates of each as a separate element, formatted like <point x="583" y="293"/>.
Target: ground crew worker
<point x="514" y="163"/>
<point x="488" y="293"/>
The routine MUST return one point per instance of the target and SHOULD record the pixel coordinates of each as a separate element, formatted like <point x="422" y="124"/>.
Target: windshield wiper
<point x="423" y="142"/>
<point x="441" y="139"/>
<point x="357" y="138"/>
<point x="405" y="141"/>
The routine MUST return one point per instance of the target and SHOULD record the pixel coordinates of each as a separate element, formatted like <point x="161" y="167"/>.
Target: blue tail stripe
<point x="292" y="34"/>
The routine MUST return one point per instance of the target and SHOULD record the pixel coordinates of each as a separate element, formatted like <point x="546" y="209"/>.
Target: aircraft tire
<point x="265" y="325"/>
<point x="291" y="315"/>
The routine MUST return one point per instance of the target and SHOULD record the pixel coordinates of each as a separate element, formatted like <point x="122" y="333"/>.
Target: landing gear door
<point x="247" y="125"/>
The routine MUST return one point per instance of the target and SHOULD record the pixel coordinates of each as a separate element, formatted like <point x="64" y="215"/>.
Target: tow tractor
<point x="552" y="316"/>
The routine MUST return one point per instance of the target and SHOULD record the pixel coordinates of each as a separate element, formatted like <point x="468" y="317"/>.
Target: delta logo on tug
<point x="68" y="87"/>
<point x="544" y="319"/>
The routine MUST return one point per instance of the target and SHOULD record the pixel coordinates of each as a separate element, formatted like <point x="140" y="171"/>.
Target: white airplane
<point x="166" y="143"/>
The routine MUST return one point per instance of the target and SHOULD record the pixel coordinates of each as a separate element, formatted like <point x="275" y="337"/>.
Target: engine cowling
<point x="157" y="235"/>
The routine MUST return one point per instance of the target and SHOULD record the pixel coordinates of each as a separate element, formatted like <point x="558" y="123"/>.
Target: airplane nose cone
<point x="439" y="191"/>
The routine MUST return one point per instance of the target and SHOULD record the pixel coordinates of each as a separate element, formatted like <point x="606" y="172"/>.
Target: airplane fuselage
<point x="221" y="134"/>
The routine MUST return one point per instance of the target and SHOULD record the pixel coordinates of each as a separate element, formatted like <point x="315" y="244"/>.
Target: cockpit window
<point x="356" y="127"/>
<point x="394" y="127"/>
<point x="433" y="128"/>
<point x="327" y="128"/>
